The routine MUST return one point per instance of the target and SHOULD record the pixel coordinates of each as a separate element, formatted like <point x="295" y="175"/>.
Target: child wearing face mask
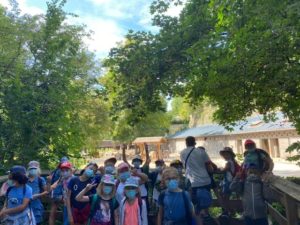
<point x="104" y="206"/>
<point x="123" y="174"/>
<point x="175" y="206"/>
<point x="155" y="178"/>
<point x="133" y="209"/>
<point x="78" y="212"/>
<point x="184" y="182"/>
<point x="38" y="185"/>
<point x="109" y="166"/>
<point x="16" y="209"/>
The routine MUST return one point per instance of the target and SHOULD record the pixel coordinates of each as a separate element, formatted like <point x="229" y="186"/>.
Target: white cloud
<point x="24" y="7"/>
<point x="106" y="33"/>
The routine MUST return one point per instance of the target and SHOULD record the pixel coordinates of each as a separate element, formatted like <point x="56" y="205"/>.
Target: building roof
<point x="148" y="140"/>
<point x="109" y="144"/>
<point x="250" y="125"/>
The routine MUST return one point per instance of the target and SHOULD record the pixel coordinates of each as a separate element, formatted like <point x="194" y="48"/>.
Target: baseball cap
<point x="18" y="169"/>
<point x="137" y="157"/>
<point x="123" y="166"/>
<point x="108" y="179"/>
<point x="132" y="182"/>
<point x="65" y="165"/>
<point x="113" y="160"/>
<point x="228" y="150"/>
<point x="33" y="165"/>
<point x="249" y="142"/>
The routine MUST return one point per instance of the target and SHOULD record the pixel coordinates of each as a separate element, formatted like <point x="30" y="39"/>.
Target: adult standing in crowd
<point x="258" y="157"/>
<point x="195" y="160"/>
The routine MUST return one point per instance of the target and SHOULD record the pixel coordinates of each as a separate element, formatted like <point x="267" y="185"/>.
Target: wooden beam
<point x="276" y="215"/>
<point x="291" y="210"/>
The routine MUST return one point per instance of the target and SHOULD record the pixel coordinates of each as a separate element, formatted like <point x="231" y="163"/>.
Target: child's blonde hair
<point x="170" y="172"/>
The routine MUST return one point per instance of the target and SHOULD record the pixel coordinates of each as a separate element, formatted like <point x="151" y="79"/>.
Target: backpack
<point x="186" y="205"/>
<point x="95" y="201"/>
<point x="263" y="166"/>
<point x="41" y="186"/>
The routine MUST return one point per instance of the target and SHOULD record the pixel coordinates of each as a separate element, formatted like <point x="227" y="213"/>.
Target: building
<point x="274" y="136"/>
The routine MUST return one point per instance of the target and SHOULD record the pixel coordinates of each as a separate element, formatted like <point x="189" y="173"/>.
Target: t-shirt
<point x="174" y="205"/>
<point x="120" y="192"/>
<point x="16" y="195"/>
<point x="195" y="169"/>
<point x="131" y="215"/>
<point x="102" y="214"/>
<point x="34" y="184"/>
<point x="76" y="186"/>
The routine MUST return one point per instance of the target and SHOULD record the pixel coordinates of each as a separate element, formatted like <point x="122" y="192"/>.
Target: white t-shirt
<point x="195" y="169"/>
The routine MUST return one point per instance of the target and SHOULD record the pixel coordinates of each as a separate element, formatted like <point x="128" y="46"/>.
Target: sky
<point x="109" y="20"/>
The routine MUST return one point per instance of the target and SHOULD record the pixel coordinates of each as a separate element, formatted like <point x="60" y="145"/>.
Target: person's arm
<point x="17" y="209"/>
<point x="81" y="197"/>
<point x="44" y="191"/>
<point x="160" y="215"/>
<point x="143" y="177"/>
<point x="148" y="160"/>
<point x="124" y="157"/>
<point x="116" y="216"/>
<point x="69" y="209"/>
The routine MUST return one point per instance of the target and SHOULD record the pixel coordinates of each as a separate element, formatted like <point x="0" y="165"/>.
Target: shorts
<point x="201" y="198"/>
<point x="81" y="215"/>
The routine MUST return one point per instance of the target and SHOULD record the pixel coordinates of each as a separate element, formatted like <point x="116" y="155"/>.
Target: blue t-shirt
<point x="35" y="185"/>
<point x="76" y="186"/>
<point x="17" y="194"/>
<point x="174" y="205"/>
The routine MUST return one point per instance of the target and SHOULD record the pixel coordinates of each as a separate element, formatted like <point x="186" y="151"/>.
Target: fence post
<point x="291" y="210"/>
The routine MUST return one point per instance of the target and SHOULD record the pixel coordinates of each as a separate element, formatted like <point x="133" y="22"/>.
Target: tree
<point x="46" y="78"/>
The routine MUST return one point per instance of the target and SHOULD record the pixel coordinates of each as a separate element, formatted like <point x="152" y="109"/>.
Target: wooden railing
<point x="286" y="195"/>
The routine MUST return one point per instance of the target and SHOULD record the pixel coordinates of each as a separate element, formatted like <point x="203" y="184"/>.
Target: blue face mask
<point x="89" y="173"/>
<point x="131" y="194"/>
<point x="33" y="172"/>
<point x="10" y="183"/>
<point x="107" y="189"/>
<point x="109" y="170"/>
<point x="65" y="174"/>
<point x="172" y="185"/>
<point x="124" y="176"/>
<point x="136" y="164"/>
<point x="158" y="169"/>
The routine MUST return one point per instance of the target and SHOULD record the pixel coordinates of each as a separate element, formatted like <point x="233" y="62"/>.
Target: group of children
<point x="120" y="195"/>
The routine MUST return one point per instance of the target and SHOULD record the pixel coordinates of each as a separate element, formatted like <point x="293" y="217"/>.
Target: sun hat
<point x="108" y="179"/>
<point x="227" y="150"/>
<point x="113" y="160"/>
<point x="33" y="165"/>
<point x="132" y="182"/>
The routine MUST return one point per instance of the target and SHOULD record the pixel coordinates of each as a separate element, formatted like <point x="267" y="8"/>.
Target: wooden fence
<point x="287" y="197"/>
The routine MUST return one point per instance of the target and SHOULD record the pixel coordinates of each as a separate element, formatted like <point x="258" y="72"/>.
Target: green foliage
<point x="295" y="147"/>
<point x="243" y="56"/>
<point x="47" y="105"/>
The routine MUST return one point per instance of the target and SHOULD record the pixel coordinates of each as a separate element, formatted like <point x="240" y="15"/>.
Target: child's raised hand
<point x="90" y="186"/>
<point x="134" y="172"/>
